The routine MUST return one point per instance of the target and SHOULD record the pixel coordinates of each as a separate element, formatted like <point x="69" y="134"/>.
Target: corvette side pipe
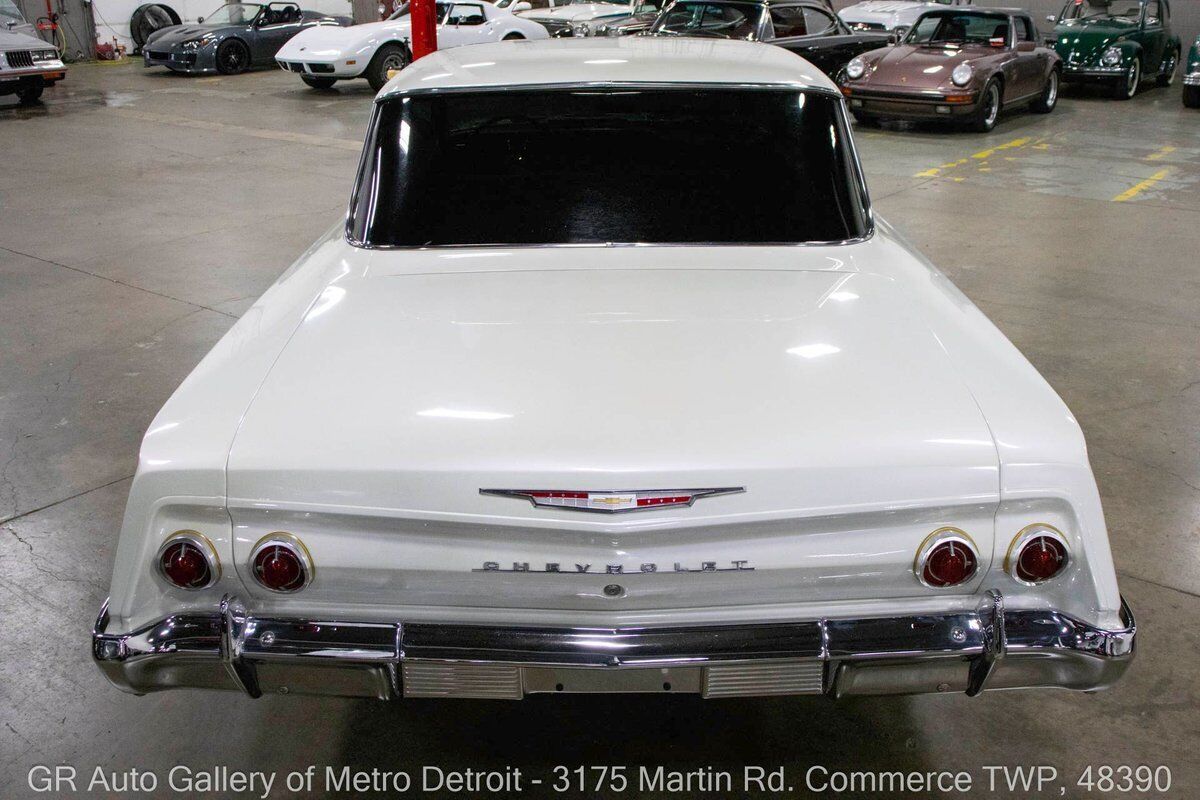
<point x="990" y="648"/>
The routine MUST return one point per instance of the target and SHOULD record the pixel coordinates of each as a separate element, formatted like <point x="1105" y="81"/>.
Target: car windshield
<point x="9" y="11"/>
<point x="480" y="168"/>
<point x="940" y="28"/>
<point x="234" y="14"/>
<point x="1120" y="10"/>
<point x="719" y="20"/>
<point x="441" y="9"/>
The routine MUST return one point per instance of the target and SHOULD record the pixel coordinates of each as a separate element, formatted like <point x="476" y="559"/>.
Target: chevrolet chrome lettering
<point x="612" y="502"/>
<point x="614" y="569"/>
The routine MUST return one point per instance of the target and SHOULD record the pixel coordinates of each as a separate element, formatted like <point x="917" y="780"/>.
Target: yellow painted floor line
<point x="1165" y="151"/>
<point x="982" y="155"/>
<point x="1136" y="189"/>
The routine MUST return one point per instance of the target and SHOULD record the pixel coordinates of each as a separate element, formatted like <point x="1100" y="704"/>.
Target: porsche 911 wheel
<point x="389" y="58"/>
<point x="317" y="82"/>
<point x="1048" y="99"/>
<point x="989" y="108"/>
<point x="233" y="56"/>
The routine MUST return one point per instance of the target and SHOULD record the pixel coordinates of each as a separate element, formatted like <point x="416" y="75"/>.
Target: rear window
<point x="607" y="166"/>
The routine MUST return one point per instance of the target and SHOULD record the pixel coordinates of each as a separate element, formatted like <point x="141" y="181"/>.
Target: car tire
<point x="233" y="57"/>
<point x="149" y="18"/>
<point x="990" y="105"/>
<point x="28" y="95"/>
<point x="1048" y="99"/>
<point x="388" y="57"/>
<point x="318" y="83"/>
<point x="1191" y="96"/>
<point x="1125" y="88"/>
<point x="512" y="37"/>
<point x="1167" y="76"/>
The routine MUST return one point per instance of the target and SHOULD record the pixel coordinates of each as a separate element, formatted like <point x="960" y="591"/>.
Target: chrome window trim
<point x="858" y="175"/>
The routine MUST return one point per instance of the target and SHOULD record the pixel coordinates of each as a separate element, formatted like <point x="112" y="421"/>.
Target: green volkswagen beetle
<point x="1191" y="77"/>
<point x="1117" y="42"/>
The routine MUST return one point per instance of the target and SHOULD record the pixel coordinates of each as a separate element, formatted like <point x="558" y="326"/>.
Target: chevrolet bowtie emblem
<point x="612" y="502"/>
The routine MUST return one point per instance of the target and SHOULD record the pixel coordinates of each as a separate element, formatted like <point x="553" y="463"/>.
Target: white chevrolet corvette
<point x="612" y="382"/>
<point x="376" y="50"/>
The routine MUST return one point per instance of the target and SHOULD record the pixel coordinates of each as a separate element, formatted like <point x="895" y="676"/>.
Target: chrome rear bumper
<point x="962" y="652"/>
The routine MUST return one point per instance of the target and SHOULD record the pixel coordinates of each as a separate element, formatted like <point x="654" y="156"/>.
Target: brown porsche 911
<point x="962" y="65"/>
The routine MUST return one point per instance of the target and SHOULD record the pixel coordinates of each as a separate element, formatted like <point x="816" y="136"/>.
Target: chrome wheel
<point x="992" y="111"/>
<point x="394" y="61"/>
<point x="1133" y="79"/>
<point x="1166" y="76"/>
<point x="1052" y="90"/>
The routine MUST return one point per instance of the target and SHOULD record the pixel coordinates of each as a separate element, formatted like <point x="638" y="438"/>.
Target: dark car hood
<point x="177" y="34"/>
<point x="1088" y="37"/>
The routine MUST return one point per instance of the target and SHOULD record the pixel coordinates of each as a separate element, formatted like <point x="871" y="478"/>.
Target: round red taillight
<point x="1039" y="557"/>
<point x="188" y="560"/>
<point x="281" y="563"/>
<point x="946" y="558"/>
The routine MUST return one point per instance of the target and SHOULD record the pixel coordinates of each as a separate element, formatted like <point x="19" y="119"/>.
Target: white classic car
<point x="518" y="426"/>
<point x="325" y="55"/>
<point x="890" y="15"/>
<point x="27" y="64"/>
<point x="579" y="18"/>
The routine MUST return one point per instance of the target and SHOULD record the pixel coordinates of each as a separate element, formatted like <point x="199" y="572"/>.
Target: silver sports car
<point x="234" y="38"/>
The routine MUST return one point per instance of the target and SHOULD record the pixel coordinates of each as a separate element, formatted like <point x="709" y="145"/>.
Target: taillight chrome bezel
<point x="201" y="543"/>
<point x="292" y="544"/>
<point x="1027" y="534"/>
<point x="940" y="536"/>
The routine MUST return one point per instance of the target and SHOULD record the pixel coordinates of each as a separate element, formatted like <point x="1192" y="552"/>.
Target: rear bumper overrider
<point x="989" y="648"/>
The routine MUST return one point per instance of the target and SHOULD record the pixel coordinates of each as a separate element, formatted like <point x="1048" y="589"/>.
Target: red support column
<point x="424" y="27"/>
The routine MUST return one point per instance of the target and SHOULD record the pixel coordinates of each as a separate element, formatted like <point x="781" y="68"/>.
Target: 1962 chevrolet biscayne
<point x="510" y="431"/>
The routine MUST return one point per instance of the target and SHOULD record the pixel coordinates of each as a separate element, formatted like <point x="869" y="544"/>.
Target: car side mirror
<point x="893" y="39"/>
<point x="522" y="6"/>
<point x="199" y="20"/>
<point x="1026" y="47"/>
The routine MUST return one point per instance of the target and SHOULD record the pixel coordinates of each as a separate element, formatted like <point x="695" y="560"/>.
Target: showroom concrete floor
<point x="141" y="213"/>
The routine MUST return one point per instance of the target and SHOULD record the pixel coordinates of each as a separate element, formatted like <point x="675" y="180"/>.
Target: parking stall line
<point x="1161" y="153"/>
<point x="1138" y="188"/>
<point x="982" y="155"/>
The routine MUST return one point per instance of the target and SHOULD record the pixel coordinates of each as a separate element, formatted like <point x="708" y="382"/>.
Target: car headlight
<point x="856" y="68"/>
<point x="581" y="29"/>
<point x="1111" y="57"/>
<point x="45" y="55"/>
<point x="198" y="42"/>
<point x="962" y="74"/>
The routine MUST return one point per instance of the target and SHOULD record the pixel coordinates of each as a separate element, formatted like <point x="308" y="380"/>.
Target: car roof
<point x="608" y="60"/>
<point x="981" y="10"/>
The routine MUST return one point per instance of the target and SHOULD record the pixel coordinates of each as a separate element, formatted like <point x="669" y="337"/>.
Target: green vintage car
<point x="1117" y="42"/>
<point x="1191" y="77"/>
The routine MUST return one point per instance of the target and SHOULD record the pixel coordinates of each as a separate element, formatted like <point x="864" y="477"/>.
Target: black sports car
<point x="236" y="37"/>
<point x="806" y="27"/>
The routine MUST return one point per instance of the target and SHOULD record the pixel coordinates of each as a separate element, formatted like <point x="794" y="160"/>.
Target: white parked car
<point x="519" y="426"/>
<point x="580" y="19"/>
<point x="890" y="15"/>
<point x="27" y="64"/>
<point x="376" y="50"/>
